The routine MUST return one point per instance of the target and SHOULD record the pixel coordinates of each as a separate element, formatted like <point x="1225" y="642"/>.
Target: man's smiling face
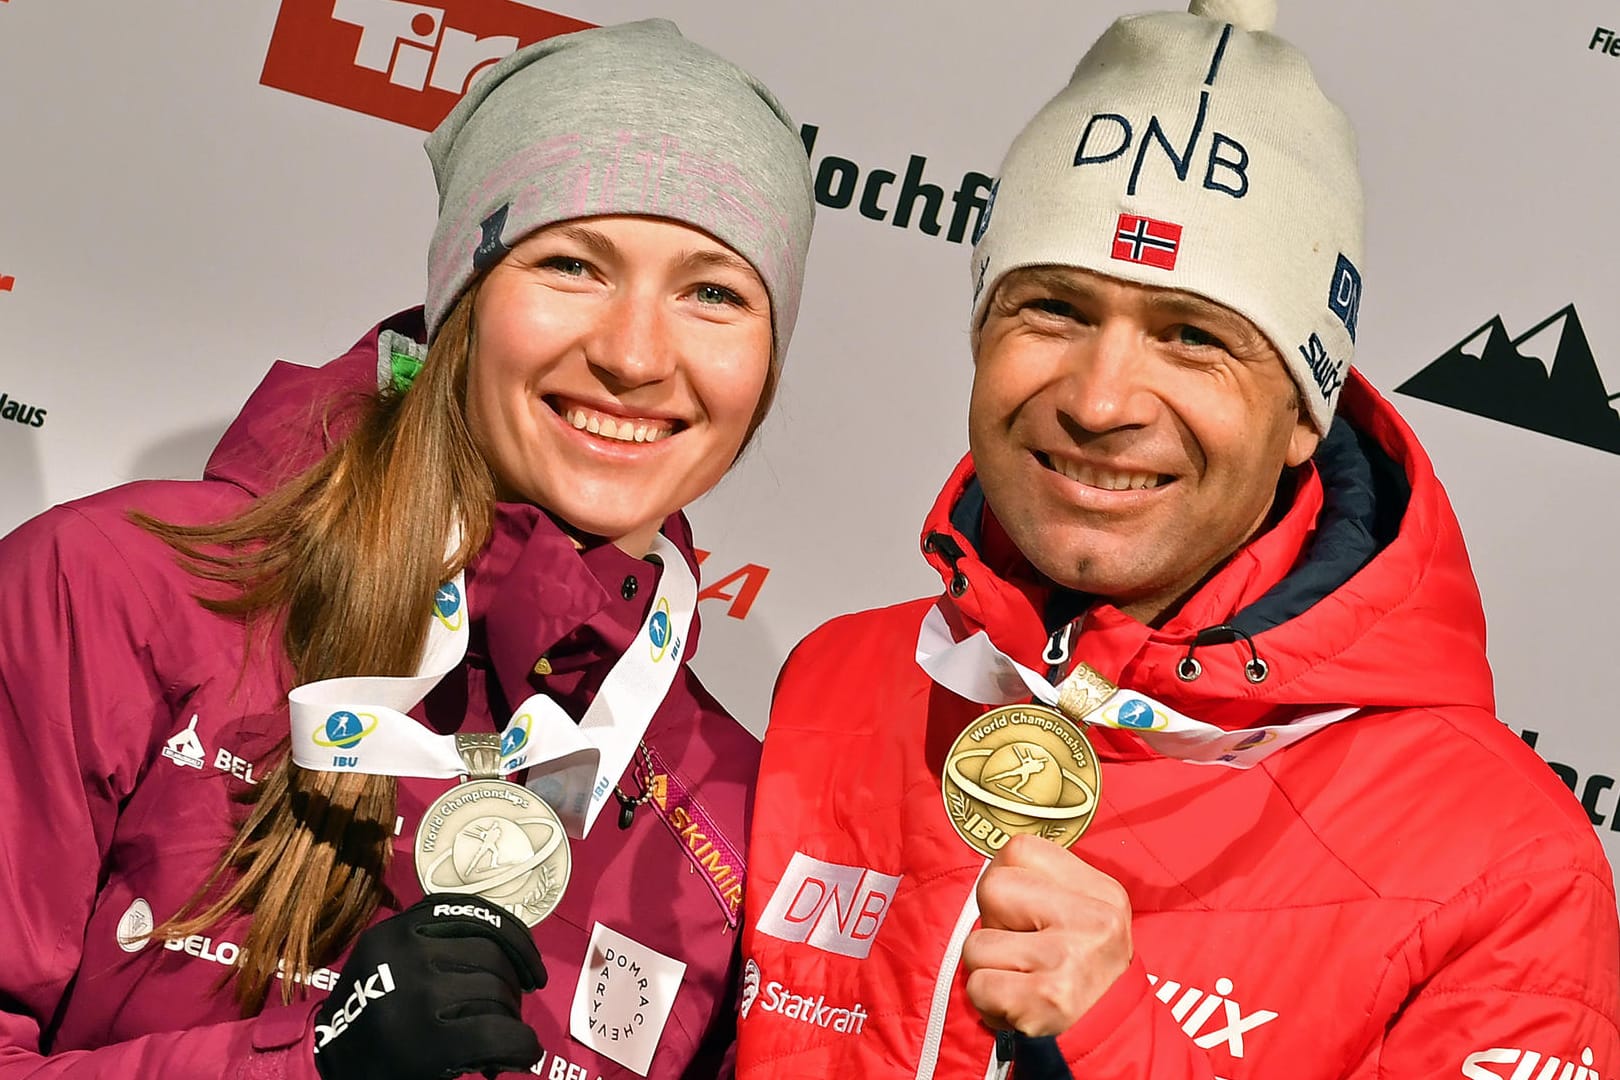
<point x="1128" y="438"/>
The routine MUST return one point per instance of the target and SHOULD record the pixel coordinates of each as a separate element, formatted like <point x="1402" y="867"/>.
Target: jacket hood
<point x="1361" y="594"/>
<point x="298" y="413"/>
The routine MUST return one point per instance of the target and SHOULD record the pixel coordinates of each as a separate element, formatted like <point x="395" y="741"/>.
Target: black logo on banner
<point x="1590" y="789"/>
<point x="20" y="412"/>
<point x="1544" y="380"/>
<point x="886" y="196"/>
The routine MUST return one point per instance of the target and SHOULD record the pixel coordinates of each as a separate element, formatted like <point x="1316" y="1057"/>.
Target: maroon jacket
<point x="110" y="817"/>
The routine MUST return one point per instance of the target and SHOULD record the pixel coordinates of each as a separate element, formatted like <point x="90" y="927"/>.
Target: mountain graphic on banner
<point x="1545" y="380"/>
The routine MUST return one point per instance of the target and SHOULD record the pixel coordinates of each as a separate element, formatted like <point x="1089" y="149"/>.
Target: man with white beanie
<point x="1192" y="769"/>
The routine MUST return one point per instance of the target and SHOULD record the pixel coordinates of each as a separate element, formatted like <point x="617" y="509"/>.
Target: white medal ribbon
<point x="975" y="669"/>
<point x="359" y="723"/>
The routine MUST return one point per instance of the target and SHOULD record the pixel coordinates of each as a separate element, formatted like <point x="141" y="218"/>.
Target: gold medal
<point x="492" y="838"/>
<point x="1020" y="769"/>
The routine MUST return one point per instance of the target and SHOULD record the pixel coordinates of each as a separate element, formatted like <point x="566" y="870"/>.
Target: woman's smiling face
<point x="616" y="369"/>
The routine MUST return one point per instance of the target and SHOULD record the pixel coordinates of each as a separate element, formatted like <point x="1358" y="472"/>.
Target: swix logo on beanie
<point x="377" y="985"/>
<point x="405" y="62"/>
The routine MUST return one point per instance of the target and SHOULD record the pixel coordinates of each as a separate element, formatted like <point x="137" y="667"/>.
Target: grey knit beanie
<point x="630" y="119"/>
<point x="1195" y="151"/>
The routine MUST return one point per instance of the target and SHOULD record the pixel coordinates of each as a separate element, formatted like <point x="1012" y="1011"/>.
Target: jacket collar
<point x="532" y="595"/>
<point x="1362" y="573"/>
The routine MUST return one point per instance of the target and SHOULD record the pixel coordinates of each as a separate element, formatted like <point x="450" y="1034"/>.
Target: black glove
<point x="435" y="991"/>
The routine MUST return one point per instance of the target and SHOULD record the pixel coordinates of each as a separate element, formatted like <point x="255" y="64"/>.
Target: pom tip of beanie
<point x="1243" y="14"/>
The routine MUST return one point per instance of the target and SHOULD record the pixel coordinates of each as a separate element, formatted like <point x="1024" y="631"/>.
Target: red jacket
<point x="1407" y="893"/>
<point x="110" y="817"/>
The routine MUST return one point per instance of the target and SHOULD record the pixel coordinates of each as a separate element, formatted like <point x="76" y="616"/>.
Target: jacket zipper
<point x="1056" y="655"/>
<point x="942" y="985"/>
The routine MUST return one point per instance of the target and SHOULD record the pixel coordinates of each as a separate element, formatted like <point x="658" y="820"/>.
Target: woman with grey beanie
<point x="386" y="725"/>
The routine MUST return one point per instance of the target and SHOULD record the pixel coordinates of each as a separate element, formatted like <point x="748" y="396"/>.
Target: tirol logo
<point x="1544" y="380"/>
<point x="447" y="606"/>
<point x="659" y="630"/>
<point x="344" y="730"/>
<point x="7" y="282"/>
<point x="400" y="61"/>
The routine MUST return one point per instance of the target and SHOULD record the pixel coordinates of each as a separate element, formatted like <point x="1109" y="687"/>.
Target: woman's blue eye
<point x="565" y="265"/>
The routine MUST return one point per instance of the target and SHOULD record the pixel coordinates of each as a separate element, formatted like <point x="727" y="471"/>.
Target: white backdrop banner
<point x="189" y="191"/>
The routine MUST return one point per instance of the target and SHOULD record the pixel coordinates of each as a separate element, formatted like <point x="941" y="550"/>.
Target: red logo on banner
<point x="6" y="280"/>
<point x="1147" y="241"/>
<point x="401" y="61"/>
<point x="743" y="585"/>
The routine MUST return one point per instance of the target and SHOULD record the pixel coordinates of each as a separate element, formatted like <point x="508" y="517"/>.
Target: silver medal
<point x="493" y="838"/>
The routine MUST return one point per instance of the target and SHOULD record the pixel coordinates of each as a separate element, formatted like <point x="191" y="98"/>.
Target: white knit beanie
<point x="1195" y="152"/>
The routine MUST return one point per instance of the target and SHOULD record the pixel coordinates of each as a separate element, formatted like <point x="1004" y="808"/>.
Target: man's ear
<point x="1302" y="443"/>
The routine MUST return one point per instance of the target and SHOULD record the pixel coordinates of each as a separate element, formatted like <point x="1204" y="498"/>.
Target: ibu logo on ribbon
<point x="658" y="630"/>
<point x="447" y="606"/>
<point x="513" y="740"/>
<point x="343" y="730"/>
<point x="1134" y="714"/>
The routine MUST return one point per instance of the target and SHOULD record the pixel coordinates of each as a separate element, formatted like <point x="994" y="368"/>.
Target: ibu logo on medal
<point x="1020" y="769"/>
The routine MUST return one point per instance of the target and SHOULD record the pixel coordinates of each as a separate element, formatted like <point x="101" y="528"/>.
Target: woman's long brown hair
<point x="351" y="553"/>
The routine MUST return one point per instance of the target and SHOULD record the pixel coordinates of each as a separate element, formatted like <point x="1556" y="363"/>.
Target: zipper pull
<point x="1057" y="646"/>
